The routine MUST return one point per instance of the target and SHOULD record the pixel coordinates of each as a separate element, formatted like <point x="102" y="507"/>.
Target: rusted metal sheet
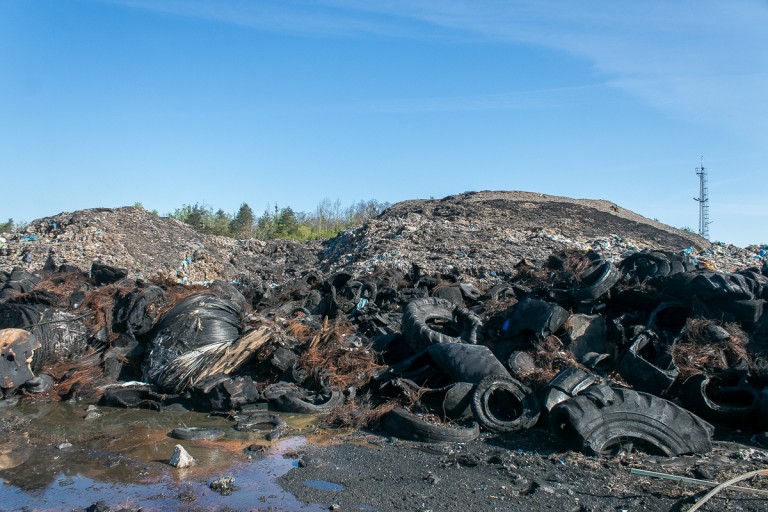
<point x="16" y="352"/>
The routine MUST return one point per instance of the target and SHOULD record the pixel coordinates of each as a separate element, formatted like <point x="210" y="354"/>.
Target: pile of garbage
<point x="655" y="350"/>
<point x="148" y="246"/>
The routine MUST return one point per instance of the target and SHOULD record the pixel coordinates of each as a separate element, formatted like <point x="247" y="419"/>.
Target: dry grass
<point x="77" y="376"/>
<point x="357" y="413"/>
<point x="299" y="331"/>
<point x="700" y="353"/>
<point x="573" y="261"/>
<point x="550" y="357"/>
<point x="329" y="361"/>
<point x="531" y="275"/>
<point x="58" y="286"/>
<point x="102" y="303"/>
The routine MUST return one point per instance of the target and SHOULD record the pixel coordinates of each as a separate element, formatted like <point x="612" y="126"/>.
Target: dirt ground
<point x="521" y="471"/>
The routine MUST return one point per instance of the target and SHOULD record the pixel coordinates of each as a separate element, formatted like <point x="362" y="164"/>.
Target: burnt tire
<point x="40" y="384"/>
<point x="721" y="401"/>
<point x="598" y="284"/>
<point x="257" y="421"/>
<point x="295" y="403"/>
<point x="503" y="404"/>
<point x="434" y="320"/>
<point x="638" y="366"/>
<point x="197" y="433"/>
<point x="466" y="363"/>
<point x="596" y="428"/>
<point x="406" y="425"/>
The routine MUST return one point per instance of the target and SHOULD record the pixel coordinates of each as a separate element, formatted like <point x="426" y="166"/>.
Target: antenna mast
<point x="703" y="201"/>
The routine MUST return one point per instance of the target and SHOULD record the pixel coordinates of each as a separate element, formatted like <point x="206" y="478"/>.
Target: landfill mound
<point x="485" y="234"/>
<point x="150" y="246"/>
<point x="481" y="234"/>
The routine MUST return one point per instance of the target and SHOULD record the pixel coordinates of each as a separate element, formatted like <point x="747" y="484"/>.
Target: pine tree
<point x="287" y="225"/>
<point x="243" y="223"/>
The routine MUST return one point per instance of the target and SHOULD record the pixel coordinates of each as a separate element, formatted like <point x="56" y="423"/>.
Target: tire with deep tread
<point x="503" y="404"/>
<point x="586" y="425"/>
<point x="406" y="425"/>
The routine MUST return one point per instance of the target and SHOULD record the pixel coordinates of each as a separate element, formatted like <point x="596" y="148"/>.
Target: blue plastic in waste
<point x="360" y="305"/>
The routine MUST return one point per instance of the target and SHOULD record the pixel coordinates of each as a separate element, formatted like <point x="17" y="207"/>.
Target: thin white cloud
<point x="705" y="60"/>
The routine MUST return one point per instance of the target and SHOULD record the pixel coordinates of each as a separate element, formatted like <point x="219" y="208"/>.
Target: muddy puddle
<point x="52" y="458"/>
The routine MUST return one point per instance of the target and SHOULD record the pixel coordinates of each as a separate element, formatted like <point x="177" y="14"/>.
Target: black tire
<point x="304" y="311"/>
<point x="466" y="363"/>
<point x="605" y="278"/>
<point x="568" y="383"/>
<point x="406" y="425"/>
<point x="596" y="428"/>
<point x="40" y="384"/>
<point x="458" y="400"/>
<point x="295" y="403"/>
<point x="503" y="404"/>
<point x="254" y="422"/>
<point x="745" y="312"/>
<point x="501" y="291"/>
<point x="370" y="289"/>
<point x="642" y="266"/>
<point x="138" y="396"/>
<point x="197" y="433"/>
<point x="639" y="369"/>
<point x="451" y="401"/>
<point x="434" y="320"/>
<point x="721" y="401"/>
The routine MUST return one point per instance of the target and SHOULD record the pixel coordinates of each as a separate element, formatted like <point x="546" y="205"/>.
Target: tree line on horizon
<point x="326" y="221"/>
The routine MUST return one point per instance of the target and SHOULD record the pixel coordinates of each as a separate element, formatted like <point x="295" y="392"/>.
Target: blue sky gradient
<point x="288" y="102"/>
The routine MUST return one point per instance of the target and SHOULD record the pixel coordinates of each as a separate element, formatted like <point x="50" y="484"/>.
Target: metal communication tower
<point x="703" y="200"/>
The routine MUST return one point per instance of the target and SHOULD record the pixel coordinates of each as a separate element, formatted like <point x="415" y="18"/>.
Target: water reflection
<point x="121" y="457"/>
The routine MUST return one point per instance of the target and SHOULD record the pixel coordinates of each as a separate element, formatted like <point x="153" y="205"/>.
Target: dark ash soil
<point x="523" y="471"/>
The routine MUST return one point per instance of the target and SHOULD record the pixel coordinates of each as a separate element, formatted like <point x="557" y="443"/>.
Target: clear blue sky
<point x="172" y="102"/>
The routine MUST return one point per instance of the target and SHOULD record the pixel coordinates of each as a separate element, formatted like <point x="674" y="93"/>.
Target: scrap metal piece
<point x="16" y="353"/>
